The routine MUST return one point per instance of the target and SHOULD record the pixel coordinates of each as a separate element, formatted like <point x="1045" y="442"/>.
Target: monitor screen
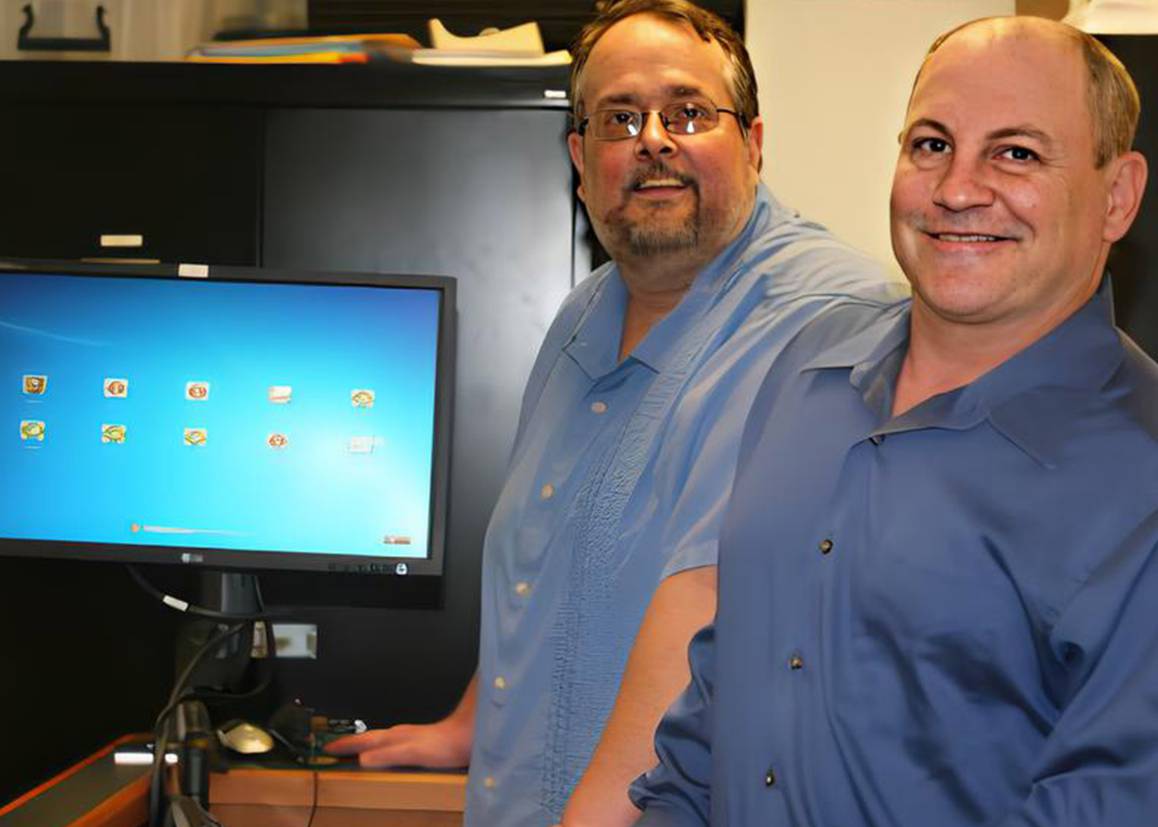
<point x="248" y="419"/>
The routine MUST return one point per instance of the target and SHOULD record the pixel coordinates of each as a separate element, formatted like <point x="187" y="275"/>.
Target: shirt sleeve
<point x="1100" y="763"/>
<point x="677" y="792"/>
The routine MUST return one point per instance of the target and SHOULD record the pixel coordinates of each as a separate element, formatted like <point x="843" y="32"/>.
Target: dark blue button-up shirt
<point x="948" y="617"/>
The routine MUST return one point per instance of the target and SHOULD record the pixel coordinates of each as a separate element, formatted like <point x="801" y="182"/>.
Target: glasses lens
<point x="690" y="117"/>
<point x="616" y="123"/>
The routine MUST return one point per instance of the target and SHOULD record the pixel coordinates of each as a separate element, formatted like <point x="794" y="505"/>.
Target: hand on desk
<point x="442" y="745"/>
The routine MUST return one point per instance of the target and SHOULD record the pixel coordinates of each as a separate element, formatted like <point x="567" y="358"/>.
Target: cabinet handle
<point x="26" y="42"/>
<point x="123" y="240"/>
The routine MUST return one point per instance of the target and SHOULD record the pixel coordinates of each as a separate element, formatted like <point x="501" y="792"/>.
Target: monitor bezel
<point x="274" y="562"/>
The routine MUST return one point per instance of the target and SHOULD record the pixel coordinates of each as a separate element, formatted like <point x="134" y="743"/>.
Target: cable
<point x="179" y="694"/>
<point x="263" y="616"/>
<point x="262" y="684"/>
<point x="186" y="607"/>
<point x="160" y="745"/>
<point x="314" y="803"/>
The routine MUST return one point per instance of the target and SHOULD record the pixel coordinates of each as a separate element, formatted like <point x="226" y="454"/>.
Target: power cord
<point x="160" y="726"/>
<point x="314" y="803"/>
<point x="185" y="607"/>
<point x="240" y="621"/>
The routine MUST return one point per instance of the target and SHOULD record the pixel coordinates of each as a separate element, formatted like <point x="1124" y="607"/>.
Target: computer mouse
<point x="244" y="737"/>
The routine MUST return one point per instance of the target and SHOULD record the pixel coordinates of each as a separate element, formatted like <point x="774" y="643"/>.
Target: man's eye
<point x="1018" y="153"/>
<point x="931" y="145"/>
<point x="620" y="117"/>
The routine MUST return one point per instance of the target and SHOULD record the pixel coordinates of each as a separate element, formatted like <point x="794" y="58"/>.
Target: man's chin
<point x="651" y="241"/>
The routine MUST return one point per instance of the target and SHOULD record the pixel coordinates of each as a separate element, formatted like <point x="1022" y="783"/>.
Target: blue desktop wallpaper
<point x="196" y="413"/>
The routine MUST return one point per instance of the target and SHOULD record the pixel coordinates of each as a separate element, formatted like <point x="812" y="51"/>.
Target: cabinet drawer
<point x="152" y="182"/>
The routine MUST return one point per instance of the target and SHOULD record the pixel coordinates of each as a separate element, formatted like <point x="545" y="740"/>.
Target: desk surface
<point x="99" y="793"/>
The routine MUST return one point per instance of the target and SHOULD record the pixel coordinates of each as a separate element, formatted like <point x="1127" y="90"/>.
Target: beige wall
<point x="834" y="80"/>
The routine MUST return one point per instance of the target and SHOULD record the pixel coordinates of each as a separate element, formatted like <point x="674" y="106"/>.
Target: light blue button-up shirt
<point x="942" y="618"/>
<point x="577" y="543"/>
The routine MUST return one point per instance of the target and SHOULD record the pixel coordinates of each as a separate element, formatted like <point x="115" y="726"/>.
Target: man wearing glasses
<point x="630" y="425"/>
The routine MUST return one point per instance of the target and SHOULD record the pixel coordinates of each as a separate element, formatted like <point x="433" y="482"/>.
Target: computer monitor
<point x="225" y="418"/>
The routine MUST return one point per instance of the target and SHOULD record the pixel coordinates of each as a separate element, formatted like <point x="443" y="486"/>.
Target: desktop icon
<point x="113" y="434"/>
<point x="196" y="436"/>
<point x="362" y="398"/>
<point x="361" y="445"/>
<point x="32" y="429"/>
<point x="197" y="391"/>
<point x="281" y="394"/>
<point x="35" y="385"/>
<point x="277" y="441"/>
<point x="116" y="388"/>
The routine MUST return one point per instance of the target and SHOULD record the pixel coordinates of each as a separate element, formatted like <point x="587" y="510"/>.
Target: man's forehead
<point x="1008" y="70"/>
<point x="672" y="91"/>
<point x="667" y="53"/>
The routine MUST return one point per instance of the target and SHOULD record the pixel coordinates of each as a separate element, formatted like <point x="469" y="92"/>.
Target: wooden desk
<point x="345" y="798"/>
<point x="98" y="793"/>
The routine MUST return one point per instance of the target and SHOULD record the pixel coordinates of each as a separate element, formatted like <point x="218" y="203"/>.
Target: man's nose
<point x="964" y="184"/>
<point x="653" y="139"/>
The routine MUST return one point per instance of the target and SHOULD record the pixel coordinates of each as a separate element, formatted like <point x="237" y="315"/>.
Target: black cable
<point x="262" y="684"/>
<point x="179" y="694"/>
<point x="160" y="745"/>
<point x="185" y="607"/>
<point x="314" y="803"/>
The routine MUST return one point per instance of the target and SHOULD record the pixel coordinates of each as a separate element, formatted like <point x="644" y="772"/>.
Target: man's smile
<point x="971" y="238"/>
<point x="958" y="241"/>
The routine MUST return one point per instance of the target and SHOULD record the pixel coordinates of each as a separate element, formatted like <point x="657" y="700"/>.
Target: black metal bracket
<point x="25" y="41"/>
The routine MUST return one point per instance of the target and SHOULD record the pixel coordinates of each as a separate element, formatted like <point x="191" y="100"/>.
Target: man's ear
<point x="575" y="147"/>
<point x="1127" y="180"/>
<point x="756" y="143"/>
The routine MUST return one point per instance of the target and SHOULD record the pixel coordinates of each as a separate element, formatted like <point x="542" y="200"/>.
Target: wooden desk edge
<point x="386" y="790"/>
<point x="68" y="773"/>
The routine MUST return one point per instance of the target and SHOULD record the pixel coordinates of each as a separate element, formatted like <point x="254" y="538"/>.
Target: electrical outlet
<point x="290" y="640"/>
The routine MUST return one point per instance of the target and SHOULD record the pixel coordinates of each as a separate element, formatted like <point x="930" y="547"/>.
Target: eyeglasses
<point x="681" y="118"/>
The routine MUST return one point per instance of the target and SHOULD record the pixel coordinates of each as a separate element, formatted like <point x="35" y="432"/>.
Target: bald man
<point x="939" y="565"/>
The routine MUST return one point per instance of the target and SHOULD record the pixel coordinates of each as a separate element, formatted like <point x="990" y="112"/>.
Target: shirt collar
<point x="1035" y="397"/>
<point x="594" y="345"/>
<point x="1029" y="398"/>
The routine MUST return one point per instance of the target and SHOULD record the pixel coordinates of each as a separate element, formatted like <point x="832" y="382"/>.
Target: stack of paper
<point x="358" y="48"/>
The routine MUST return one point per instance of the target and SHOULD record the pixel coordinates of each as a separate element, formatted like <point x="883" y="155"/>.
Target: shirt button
<point x="500" y="682"/>
<point x="547" y="491"/>
<point x="770" y="778"/>
<point x="489" y="782"/>
<point x="796" y="662"/>
<point x="598" y="407"/>
<point x="522" y="588"/>
<point x="825" y="546"/>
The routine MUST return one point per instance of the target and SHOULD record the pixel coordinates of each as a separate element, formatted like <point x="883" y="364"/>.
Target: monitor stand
<point x="224" y="670"/>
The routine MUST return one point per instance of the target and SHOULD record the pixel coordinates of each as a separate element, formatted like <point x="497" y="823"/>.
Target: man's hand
<point x="444" y="745"/>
